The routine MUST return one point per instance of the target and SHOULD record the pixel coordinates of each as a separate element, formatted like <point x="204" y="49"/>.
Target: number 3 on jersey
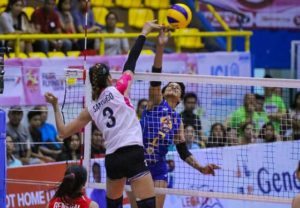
<point x="111" y="120"/>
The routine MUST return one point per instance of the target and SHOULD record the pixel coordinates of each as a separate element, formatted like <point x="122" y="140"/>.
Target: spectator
<point x="262" y="116"/>
<point x="19" y="134"/>
<point x="232" y="136"/>
<point x="34" y="121"/>
<point x="188" y="116"/>
<point x="13" y="21"/>
<point x="79" y="21"/>
<point x="268" y="134"/>
<point x="191" y="138"/>
<point x="294" y="114"/>
<point x="217" y="137"/>
<point x="49" y="135"/>
<point x="114" y="46"/>
<point x="65" y="18"/>
<point x="98" y="149"/>
<point x="244" y="114"/>
<point x="71" y="149"/>
<point x="274" y="106"/>
<point x="141" y="106"/>
<point x="248" y="135"/>
<point x="11" y="160"/>
<point x="46" y="20"/>
<point x="98" y="195"/>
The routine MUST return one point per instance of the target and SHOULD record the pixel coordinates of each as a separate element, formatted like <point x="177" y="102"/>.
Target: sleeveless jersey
<point x="115" y="117"/>
<point x="80" y="202"/>
<point x="159" y="125"/>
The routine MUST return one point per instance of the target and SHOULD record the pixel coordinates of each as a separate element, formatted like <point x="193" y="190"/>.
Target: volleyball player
<point x="115" y="117"/>
<point x="70" y="192"/>
<point x="163" y="126"/>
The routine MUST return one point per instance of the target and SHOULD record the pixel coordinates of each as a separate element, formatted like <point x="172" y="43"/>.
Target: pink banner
<point x="259" y="13"/>
<point x="27" y="80"/>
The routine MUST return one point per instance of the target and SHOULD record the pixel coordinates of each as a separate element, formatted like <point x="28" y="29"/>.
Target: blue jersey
<point x="159" y="125"/>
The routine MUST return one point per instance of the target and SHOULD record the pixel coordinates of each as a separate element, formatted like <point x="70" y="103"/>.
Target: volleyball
<point x="179" y="16"/>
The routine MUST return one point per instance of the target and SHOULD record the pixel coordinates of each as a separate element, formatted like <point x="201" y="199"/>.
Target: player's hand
<point x="163" y="36"/>
<point x="150" y="26"/>
<point x="50" y="98"/>
<point x="209" y="169"/>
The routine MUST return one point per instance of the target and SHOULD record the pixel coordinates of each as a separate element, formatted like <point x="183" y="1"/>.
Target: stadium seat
<point x="102" y="3"/>
<point x="56" y="54"/>
<point x="157" y="4"/>
<point x="99" y="14"/>
<point x="137" y="17"/>
<point x="37" y="55"/>
<point x="21" y="55"/>
<point x="129" y="3"/>
<point x="189" y="42"/>
<point x="28" y="11"/>
<point x="3" y="3"/>
<point x="162" y="17"/>
<point x="73" y="53"/>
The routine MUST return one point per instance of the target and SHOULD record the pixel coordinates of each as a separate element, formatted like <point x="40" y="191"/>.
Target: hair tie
<point x="70" y="176"/>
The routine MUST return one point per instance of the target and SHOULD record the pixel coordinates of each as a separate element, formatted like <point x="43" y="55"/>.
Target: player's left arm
<point x="124" y="83"/>
<point x="74" y="126"/>
<point x="187" y="156"/>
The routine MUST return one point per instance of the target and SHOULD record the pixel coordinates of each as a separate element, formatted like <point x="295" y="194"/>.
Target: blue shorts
<point x="159" y="170"/>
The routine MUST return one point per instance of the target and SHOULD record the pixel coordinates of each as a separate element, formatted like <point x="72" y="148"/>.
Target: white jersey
<point x="116" y="120"/>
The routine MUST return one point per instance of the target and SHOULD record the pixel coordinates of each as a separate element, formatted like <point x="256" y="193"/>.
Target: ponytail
<point x="72" y="184"/>
<point x="99" y="74"/>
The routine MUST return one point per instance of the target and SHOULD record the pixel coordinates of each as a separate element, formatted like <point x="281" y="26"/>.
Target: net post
<point x="87" y="130"/>
<point x="3" y="159"/>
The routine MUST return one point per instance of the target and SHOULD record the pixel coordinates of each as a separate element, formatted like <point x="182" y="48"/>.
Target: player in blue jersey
<point x="162" y="126"/>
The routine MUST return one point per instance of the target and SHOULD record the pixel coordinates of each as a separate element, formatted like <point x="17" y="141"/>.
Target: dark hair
<point x="262" y="133"/>
<point x="182" y="86"/>
<point x="140" y="102"/>
<point x="243" y="127"/>
<point x="31" y="114"/>
<point x="294" y="104"/>
<point x="111" y="13"/>
<point x="259" y="97"/>
<point x="99" y="74"/>
<point x="59" y="5"/>
<point x="187" y="125"/>
<point x="10" y="4"/>
<point x="190" y="95"/>
<point x="67" y="142"/>
<point x="218" y="124"/>
<point x="72" y="183"/>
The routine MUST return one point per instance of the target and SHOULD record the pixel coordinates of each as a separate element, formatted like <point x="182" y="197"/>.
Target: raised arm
<point x="124" y="83"/>
<point x="187" y="156"/>
<point x="74" y="126"/>
<point x="155" y="96"/>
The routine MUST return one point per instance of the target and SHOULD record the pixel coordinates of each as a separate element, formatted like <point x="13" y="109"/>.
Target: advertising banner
<point x="27" y="80"/>
<point x="257" y="13"/>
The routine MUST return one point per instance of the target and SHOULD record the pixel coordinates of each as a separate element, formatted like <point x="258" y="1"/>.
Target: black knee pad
<point x="146" y="203"/>
<point x="114" y="203"/>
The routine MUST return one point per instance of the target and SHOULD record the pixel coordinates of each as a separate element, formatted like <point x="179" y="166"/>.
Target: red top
<point x="80" y="202"/>
<point x="49" y="22"/>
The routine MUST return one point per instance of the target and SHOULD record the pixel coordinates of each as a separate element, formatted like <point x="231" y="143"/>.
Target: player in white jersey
<point x="114" y="115"/>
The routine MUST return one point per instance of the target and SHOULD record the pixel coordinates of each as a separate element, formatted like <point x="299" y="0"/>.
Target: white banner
<point x="256" y="169"/>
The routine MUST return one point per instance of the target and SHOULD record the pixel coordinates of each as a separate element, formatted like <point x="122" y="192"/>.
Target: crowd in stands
<point x="65" y="17"/>
<point x="261" y="119"/>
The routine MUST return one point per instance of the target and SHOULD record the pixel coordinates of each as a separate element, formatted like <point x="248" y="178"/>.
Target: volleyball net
<point x="244" y="125"/>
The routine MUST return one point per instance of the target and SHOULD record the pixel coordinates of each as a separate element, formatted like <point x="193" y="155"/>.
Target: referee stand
<point x="2" y="159"/>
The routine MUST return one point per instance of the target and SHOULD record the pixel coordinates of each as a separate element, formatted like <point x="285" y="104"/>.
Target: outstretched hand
<point x="209" y="169"/>
<point x="150" y="26"/>
<point x="50" y="98"/>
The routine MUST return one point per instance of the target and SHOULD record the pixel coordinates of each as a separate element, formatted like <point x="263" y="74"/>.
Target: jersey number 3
<point x="108" y="112"/>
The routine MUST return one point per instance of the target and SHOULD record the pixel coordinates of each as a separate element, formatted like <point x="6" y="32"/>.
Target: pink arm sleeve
<point x="123" y="82"/>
